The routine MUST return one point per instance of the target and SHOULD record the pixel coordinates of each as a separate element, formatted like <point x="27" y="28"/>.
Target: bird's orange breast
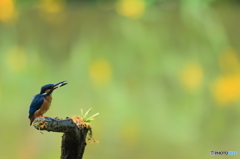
<point x="45" y="106"/>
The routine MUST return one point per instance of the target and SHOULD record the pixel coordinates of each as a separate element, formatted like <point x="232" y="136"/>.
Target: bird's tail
<point x="31" y="117"/>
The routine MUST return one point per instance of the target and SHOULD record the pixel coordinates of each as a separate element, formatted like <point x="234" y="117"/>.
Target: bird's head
<point x="51" y="87"/>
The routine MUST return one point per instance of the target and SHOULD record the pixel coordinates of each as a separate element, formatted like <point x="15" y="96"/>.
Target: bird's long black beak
<point x="60" y="84"/>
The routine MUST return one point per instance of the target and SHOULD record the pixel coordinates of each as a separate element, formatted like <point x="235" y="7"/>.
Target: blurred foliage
<point x="163" y="74"/>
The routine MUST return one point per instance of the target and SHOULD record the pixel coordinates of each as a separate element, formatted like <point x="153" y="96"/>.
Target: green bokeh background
<point x="164" y="79"/>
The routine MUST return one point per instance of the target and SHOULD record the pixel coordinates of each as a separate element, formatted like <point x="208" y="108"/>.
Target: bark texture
<point x="74" y="137"/>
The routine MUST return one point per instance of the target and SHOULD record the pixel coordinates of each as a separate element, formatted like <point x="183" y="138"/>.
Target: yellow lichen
<point x="80" y="122"/>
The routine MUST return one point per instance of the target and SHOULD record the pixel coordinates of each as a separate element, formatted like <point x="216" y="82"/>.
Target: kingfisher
<point x="42" y="101"/>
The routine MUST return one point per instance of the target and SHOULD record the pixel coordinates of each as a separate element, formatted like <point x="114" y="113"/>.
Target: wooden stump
<point x="74" y="137"/>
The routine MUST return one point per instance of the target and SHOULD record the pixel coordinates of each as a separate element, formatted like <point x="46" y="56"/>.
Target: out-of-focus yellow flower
<point x="229" y="62"/>
<point x="0" y="92"/>
<point x="192" y="76"/>
<point x="226" y="89"/>
<point x="7" y="11"/>
<point x="100" y="72"/>
<point x="16" y="59"/>
<point x="130" y="133"/>
<point x="130" y="8"/>
<point x="52" y="6"/>
<point x="52" y="11"/>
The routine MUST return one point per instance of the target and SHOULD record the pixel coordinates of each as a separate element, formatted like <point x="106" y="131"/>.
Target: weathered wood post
<point x="75" y="133"/>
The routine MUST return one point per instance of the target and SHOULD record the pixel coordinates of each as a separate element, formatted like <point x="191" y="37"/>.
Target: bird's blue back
<point x="36" y="103"/>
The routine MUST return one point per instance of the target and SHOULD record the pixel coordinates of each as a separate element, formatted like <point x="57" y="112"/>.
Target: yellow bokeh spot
<point x="52" y="6"/>
<point x="229" y="62"/>
<point x="7" y="10"/>
<point x="0" y="92"/>
<point x="100" y="72"/>
<point x="130" y="8"/>
<point x="192" y="76"/>
<point x="130" y="133"/>
<point x="16" y="59"/>
<point x="226" y="89"/>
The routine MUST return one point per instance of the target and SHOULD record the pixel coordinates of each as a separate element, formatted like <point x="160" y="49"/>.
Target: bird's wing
<point x="36" y="103"/>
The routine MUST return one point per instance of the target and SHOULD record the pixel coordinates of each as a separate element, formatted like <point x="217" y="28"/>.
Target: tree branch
<point x="75" y="133"/>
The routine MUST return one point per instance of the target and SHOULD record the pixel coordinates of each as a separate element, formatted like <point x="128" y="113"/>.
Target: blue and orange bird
<point x="41" y="102"/>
